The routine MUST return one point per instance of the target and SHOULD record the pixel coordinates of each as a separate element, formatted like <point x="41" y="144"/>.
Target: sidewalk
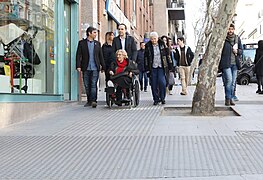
<point x="139" y="143"/>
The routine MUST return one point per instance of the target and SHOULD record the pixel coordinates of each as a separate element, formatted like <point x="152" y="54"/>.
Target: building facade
<point x="38" y="41"/>
<point x="105" y="15"/>
<point x="249" y="30"/>
<point x="169" y="18"/>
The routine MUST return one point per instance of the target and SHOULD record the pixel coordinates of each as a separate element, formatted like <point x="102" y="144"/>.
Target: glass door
<point x="67" y="60"/>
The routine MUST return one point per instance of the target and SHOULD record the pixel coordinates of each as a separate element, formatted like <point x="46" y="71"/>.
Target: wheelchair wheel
<point x="136" y="94"/>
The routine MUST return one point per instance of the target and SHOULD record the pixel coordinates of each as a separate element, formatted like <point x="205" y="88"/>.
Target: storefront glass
<point x="27" y="34"/>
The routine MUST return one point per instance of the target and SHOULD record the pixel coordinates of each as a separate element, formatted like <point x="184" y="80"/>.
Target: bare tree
<point x="204" y="96"/>
<point x="204" y="32"/>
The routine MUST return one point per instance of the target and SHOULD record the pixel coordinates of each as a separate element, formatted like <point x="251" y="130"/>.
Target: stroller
<point x="134" y="92"/>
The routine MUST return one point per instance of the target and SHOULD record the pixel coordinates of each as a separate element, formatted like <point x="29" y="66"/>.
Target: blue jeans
<point x="90" y="79"/>
<point x="158" y="84"/>
<point x="143" y="77"/>
<point x="229" y="79"/>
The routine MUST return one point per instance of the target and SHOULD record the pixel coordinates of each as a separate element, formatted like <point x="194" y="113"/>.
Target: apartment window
<point x="125" y="8"/>
<point x="134" y="14"/>
<point x="147" y="25"/>
<point x="134" y="6"/>
<point x="147" y="7"/>
<point x="144" y="24"/>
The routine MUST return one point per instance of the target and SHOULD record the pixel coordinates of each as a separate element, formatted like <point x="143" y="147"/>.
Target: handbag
<point x="171" y="78"/>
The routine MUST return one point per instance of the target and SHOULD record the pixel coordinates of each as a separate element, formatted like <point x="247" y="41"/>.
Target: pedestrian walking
<point x="157" y="64"/>
<point x="126" y="42"/>
<point x="172" y="73"/>
<point x="108" y="52"/>
<point x="184" y="56"/>
<point x="230" y="63"/>
<point x="143" y="79"/>
<point x="259" y="66"/>
<point x="90" y="61"/>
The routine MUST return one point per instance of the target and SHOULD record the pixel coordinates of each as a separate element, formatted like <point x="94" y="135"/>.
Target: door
<point x="67" y="60"/>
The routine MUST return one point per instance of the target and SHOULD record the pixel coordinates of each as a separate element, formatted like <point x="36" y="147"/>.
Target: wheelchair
<point x="134" y="94"/>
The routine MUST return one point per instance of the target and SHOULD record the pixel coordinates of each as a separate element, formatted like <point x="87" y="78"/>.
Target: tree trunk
<point x="204" y="96"/>
<point x="202" y="37"/>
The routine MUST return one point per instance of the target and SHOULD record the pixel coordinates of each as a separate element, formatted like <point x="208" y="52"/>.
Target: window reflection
<point x="27" y="63"/>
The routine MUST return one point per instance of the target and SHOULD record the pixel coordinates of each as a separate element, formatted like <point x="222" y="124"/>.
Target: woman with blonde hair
<point x="120" y="73"/>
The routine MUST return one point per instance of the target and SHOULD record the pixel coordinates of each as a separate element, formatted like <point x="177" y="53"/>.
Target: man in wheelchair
<point x="122" y="72"/>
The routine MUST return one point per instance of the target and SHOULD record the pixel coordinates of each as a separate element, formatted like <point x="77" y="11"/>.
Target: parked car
<point x="246" y="74"/>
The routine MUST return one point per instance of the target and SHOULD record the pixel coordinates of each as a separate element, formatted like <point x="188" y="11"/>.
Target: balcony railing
<point x="174" y="4"/>
<point x="175" y="9"/>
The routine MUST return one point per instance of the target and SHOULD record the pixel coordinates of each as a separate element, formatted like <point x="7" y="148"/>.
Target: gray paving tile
<point x="138" y="143"/>
<point x="127" y="157"/>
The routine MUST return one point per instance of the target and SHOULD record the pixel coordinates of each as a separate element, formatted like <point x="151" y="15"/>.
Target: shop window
<point x="27" y="62"/>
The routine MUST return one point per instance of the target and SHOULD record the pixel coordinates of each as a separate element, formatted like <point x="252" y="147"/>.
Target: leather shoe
<point x="227" y="102"/>
<point x="87" y="104"/>
<point x="232" y="102"/>
<point x="94" y="104"/>
<point x="163" y="102"/>
<point x="155" y="103"/>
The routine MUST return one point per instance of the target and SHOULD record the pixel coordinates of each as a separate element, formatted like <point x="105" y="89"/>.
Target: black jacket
<point x="140" y="60"/>
<point x="189" y="55"/>
<point x="130" y="46"/>
<point x="108" y="55"/>
<point x="131" y="67"/>
<point x="82" y="57"/>
<point x="259" y="59"/>
<point x="165" y="57"/>
<point x="225" y="61"/>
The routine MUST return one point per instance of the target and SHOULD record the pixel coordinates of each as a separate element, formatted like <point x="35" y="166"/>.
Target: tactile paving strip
<point x="114" y="122"/>
<point x="124" y="157"/>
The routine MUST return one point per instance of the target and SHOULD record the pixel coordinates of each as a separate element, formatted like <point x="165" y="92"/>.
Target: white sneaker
<point x="170" y="93"/>
<point x="110" y="83"/>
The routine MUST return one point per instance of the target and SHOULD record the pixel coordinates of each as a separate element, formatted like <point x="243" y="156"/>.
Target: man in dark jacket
<point x="184" y="57"/>
<point x="259" y="66"/>
<point x="230" y="63"/>
<point x="125" y="42"/>
<point x="157" y="63"/>
<point x="140" y="64"/>
<point x="90" y="61"/>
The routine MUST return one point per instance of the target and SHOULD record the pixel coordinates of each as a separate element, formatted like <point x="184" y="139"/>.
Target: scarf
<point x="231" y="39"/>
<point x="121" y="66"/>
